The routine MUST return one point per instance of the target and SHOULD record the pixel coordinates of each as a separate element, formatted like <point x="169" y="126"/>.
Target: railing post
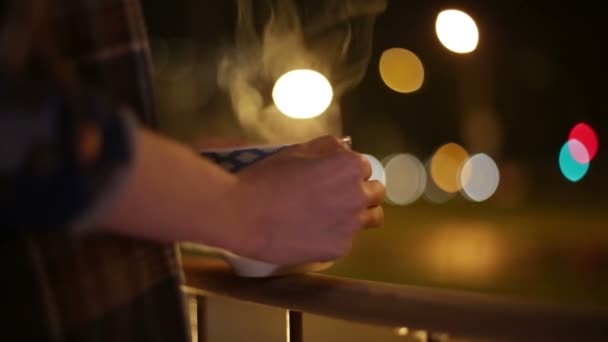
<point x="295" y="332"/>
<point x="201" y="318"/>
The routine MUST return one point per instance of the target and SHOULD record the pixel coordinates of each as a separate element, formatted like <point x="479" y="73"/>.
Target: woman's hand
<point x="307" y="202"/>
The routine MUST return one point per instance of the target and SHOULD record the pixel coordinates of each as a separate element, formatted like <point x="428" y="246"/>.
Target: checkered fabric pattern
<point x="59" y="286"/>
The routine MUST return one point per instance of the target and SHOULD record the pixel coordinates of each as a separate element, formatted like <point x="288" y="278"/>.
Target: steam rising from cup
<point x="275" y="37"/>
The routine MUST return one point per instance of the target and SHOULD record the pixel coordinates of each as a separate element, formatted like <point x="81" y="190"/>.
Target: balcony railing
<point x="441" y="313"/>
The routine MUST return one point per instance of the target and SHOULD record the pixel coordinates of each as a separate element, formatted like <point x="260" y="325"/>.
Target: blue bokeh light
<point x="573" y="170"/>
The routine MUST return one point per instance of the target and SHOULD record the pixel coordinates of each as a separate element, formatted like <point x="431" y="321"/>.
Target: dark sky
<point x="540" y="66"/>
<point x="544" y="64"/>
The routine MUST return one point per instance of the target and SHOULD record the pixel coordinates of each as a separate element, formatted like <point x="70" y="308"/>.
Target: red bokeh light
<point x="587" y="136"/>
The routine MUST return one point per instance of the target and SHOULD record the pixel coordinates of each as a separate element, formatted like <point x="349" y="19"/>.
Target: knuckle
<point x="364" y="161"/>
<point x="323" y="145"/>
<point x="355" y="163"/>
<point x="363" y="166"/>
<point x="333" y="140"/>
<point x="329" y="141"/>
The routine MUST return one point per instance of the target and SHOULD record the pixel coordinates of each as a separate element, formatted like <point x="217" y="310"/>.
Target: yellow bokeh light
<point x="402" y="331"/>
<point x="463" y="251"/>
<point x="302" y="94"/>
<point x="457" y="31"/>
<point x="446" y="165"/>
<point x="401" y="70"/>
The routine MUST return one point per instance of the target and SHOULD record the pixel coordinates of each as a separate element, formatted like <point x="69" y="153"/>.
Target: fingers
<point x="374" y="192"/>
<point x="366" y="167"/>
<point x="372" y="217"/>
<point x="321" y="146"/>
<point x="355" y="164"/>
<point x="328" y="145"/>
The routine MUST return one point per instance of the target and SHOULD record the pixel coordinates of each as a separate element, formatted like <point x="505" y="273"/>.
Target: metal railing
<point x="453" y="313"/>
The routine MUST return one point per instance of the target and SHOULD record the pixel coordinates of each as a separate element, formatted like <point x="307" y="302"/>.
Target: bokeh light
<point x="467" y="251"/>
<point x="378" y="172"/>
<point x="446" y="166"/>
<point x="405" y="179"/>
<point x="402" y="331"/>
<point x="578" y="151"/>
<point x="433" y="194"/>
<point x="479" y="177"/>
<point x="302" y="94"/>
<point x="457" y="31"/>
<point x="401" y="70"/>
<point x="585" y="134"/>
<point x="573" y="170"/>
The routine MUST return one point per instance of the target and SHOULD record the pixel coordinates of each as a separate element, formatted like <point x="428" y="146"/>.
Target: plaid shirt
<point x="64" y="152"/>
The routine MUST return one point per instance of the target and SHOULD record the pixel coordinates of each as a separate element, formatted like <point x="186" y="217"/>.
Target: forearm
<point x="175" y="195"/>
<point x="70" y="161"/>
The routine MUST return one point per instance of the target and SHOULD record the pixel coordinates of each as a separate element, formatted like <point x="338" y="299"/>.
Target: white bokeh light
<point x="457" y="31"/>
<point x="405" y="179"/>
<point x="378" y="172"/>
<point x="480" y="178"/>
<point x="302" y="94"/>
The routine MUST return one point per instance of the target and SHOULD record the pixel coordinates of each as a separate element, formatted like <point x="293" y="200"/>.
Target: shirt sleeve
<point x="64" y="156"/>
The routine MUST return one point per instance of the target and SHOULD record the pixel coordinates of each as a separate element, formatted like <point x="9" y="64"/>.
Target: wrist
<point x="247" y="235"/>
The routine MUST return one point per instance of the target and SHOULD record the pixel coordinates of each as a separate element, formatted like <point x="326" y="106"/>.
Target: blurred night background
<point x="538" y="71"/>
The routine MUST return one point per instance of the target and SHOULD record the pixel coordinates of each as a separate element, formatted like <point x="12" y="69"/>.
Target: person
<point x="94" y="196"/>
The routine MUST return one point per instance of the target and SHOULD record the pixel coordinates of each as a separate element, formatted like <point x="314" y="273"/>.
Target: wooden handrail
<point x="461" y="314"/>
